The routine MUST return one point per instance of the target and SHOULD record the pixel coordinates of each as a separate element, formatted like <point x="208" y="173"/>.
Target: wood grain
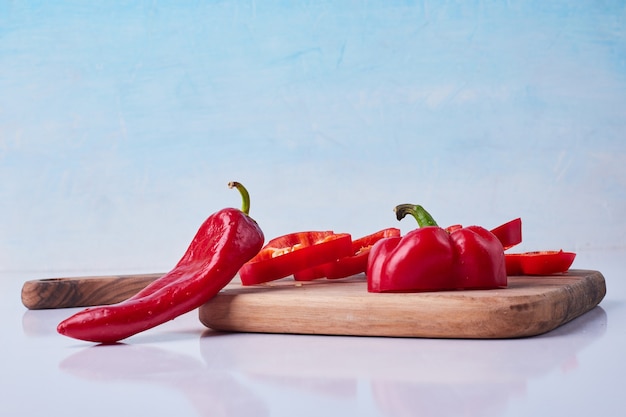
<point x="82" y="291"/>
<point x="528" y="307"/>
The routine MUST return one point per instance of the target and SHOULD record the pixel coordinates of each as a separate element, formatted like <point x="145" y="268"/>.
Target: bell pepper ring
<point x="431" y="258"/>
<point x="224" y="242"/>
<point x="353" y="264"/>
<point x="539" y="262"/>
<point x="288" y="254"/>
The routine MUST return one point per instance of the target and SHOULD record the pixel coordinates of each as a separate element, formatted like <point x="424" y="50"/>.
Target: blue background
<point x="121" y="123"/>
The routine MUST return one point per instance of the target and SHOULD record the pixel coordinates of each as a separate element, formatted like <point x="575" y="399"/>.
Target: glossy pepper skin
<point x="431" y="258"/>
<point x="539" y="262"/>
<point x="509" y="233"/>
<point x="225" y="241"/>
<point x="285" y="255"/>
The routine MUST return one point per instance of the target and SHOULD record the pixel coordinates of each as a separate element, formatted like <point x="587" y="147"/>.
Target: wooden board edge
<point x="522" y="319"/>
<point x="51" y="293"/>
<point x="580" y="297"/>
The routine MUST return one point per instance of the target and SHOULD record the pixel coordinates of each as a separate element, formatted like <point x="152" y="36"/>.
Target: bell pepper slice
<point x="431" y="258"/>
<point x="539" y="262"/>
<point x="353" y="264"/>
<point x="509" y="233"/>
<point x="530" y="263"/>
<point x="285" y="255"/>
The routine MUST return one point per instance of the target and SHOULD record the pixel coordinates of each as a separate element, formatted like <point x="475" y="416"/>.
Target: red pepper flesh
<point x="432" y="259"/>
<point x="539" y="262"/>
<point x="509" y="233"/>
<point x="224" y="242"/>
<point x="285" y="255"/>
<point x="513" y="264"/>
<point x="350" y="265"/>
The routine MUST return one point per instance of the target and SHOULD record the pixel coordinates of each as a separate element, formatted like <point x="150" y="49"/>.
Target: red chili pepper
<point x="353" y="264"/>
<point x="224" y="242"/>
<point x="509" y="233"/>
<point x="431" y="259"/>
<point x="539" y="263"/>
<point x="288" y="254"/>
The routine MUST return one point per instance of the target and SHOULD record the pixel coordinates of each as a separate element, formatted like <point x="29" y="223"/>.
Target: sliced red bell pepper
<point x="353" y="264"/>
<point x="509" y="233"/>
<point x="432" y="259"/>
<point x="539" y="262"/>
<point x="288" y="254"/>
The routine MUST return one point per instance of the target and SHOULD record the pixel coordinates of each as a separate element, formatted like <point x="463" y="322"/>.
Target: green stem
<point x="245" y="197"/>
<point x="421" y="215"/>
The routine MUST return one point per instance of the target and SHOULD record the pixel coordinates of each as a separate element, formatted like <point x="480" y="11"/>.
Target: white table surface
<point x="184" y="369"/>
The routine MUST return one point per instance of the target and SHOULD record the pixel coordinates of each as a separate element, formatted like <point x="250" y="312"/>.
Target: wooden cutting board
<point x="529" y="306"/>
<point x="69" y="292"/>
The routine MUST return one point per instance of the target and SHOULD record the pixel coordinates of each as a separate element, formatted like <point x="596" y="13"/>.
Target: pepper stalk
<point x="418" y="212"/>
<point x="245" y="196"/>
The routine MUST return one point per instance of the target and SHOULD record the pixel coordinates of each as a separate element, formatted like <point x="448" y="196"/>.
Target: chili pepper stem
<point x="418" y="212"/>
<point x="245" y="197"/>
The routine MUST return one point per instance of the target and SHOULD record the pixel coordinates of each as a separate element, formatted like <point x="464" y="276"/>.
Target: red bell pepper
<point x="353" y="264"/>
<point x="294" y="252"/>
<point x="224" y="242"/>
<point x="431" y="259"/>
<point x="539" y="262"/>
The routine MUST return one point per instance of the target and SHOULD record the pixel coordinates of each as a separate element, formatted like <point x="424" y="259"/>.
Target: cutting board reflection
<point x="530" y="306"/>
